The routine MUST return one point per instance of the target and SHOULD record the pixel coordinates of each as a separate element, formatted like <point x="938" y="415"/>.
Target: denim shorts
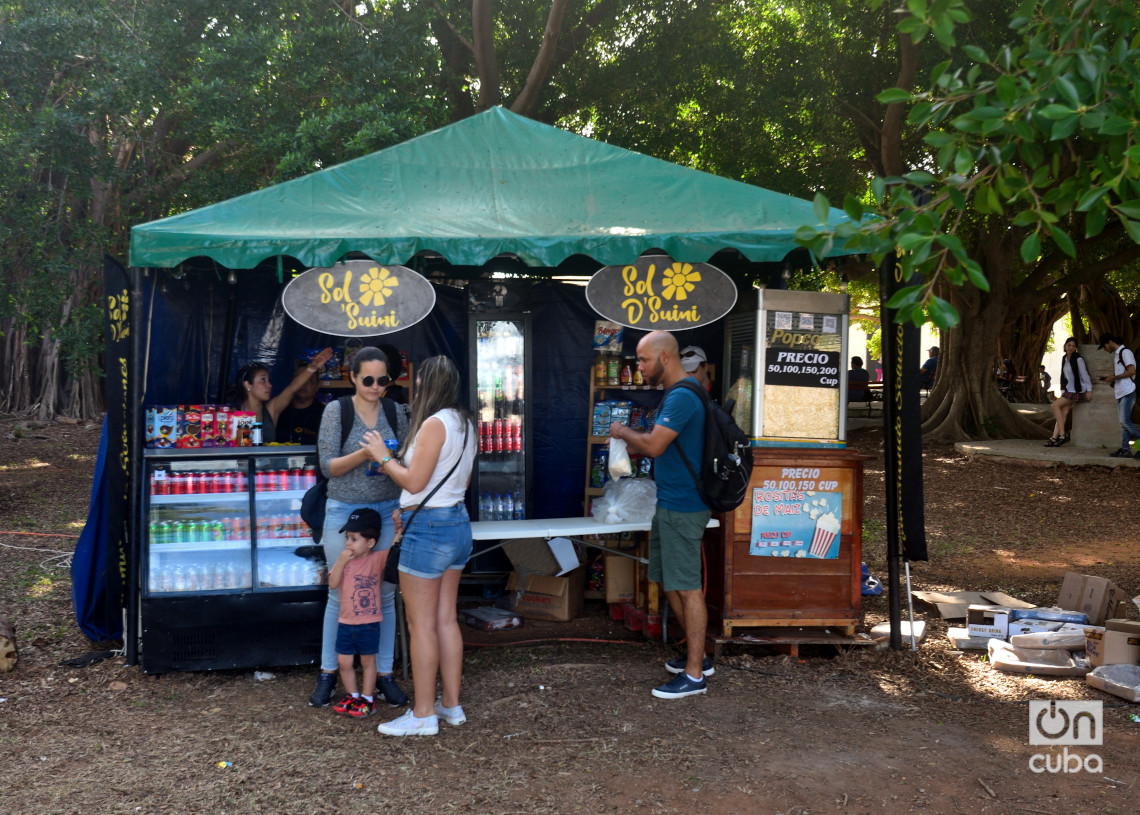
<point x="358" y="639"/>
<point x="437" y="540"/>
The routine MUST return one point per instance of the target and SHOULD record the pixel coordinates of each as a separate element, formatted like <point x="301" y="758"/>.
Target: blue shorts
<point x="438" y="540"/>
<point x="358" y="639"/>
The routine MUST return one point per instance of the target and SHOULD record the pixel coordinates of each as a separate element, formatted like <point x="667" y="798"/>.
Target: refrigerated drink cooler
<point x="231" y="577"/>
<point x="500" y="366"/>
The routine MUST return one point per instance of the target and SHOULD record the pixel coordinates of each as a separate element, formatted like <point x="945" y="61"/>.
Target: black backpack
<point x="313" y="501"/>
<point x="726" y="467"/>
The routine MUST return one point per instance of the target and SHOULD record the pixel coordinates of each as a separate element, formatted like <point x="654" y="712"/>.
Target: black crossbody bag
<point x="392" y="565"/>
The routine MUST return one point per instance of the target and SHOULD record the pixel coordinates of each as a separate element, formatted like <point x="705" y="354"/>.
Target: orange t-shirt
<point x="360" y="589"/>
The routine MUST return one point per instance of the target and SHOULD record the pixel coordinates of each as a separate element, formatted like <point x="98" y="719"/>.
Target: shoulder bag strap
<point x="347" y="415"/>
<point x="389" y="412"/>
<point x="435" y="489"/>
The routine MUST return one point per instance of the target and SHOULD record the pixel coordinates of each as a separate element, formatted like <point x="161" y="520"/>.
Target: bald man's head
<point x="659" y="359"/>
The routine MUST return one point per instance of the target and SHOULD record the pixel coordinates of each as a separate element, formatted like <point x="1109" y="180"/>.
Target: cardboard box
<point x="621" y="579"/>
<point x="545" y="597"/>
<point x="1098" y="597"/>
<point x="1121" y="642"/>
<point x="988" y="621"/>
<point x="1094" y="646"/>
<point x="538" y="556"/>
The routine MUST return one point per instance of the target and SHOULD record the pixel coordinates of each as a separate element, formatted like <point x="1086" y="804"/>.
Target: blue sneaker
<point x="677" y="666"/>
<point x="326" y="686"/>
<point x="679" y="686"/>
<point x="386" y="686"/>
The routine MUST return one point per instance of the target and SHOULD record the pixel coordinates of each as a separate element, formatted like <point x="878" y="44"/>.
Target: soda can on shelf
<point x="310" y="476"/>
<point x="217" y="531"/>
<point x="296" y="479"/>
<point x="241" y="481"/>
<point x="177" y="484"/>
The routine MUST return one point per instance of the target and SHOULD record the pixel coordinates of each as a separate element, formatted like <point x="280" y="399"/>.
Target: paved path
<point x="1029" y="450"/>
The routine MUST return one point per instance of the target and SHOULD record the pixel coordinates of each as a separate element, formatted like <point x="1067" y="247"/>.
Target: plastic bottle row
<point x="234" y="574"/>
<point x="502" y="506"/>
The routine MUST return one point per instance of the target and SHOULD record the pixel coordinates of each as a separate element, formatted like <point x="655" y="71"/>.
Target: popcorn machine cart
<point x="790" y="556"/>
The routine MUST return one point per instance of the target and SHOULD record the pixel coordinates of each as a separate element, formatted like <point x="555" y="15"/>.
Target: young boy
<point x="357" y="574"/>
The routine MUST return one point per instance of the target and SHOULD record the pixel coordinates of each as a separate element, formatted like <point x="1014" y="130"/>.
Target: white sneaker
<point x="452" y="715"/>
<point x="409" y="725"/>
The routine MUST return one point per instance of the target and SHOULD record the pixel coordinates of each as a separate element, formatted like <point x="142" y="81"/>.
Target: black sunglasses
<point x="369" y="381"/>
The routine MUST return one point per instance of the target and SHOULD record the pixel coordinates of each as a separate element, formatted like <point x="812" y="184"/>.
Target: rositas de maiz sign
<point x="657" y="293"/>
<point x="358" y="298"/>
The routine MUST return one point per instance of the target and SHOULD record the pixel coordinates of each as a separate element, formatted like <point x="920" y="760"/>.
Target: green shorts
<point x="675" y="548"/>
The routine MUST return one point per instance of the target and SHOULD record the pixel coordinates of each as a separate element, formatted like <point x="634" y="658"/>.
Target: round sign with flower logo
<point x="358" y="298"/>
<point x="657" y="293"/>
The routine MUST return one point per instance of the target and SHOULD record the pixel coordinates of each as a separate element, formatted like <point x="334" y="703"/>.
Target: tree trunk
<point x="965" y="402"/>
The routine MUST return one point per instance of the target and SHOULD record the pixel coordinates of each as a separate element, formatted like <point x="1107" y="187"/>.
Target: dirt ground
<point x="562" y="721"/>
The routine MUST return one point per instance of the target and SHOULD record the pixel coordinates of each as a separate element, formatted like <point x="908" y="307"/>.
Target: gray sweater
<point x="355" y="486"/>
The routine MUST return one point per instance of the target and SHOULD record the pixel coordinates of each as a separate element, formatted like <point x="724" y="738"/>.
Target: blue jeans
<point x="336" y="514"/>
<point x="1128" y="430"/>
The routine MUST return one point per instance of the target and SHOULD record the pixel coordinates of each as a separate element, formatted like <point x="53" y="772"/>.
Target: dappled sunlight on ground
<point x="30" y="464"/>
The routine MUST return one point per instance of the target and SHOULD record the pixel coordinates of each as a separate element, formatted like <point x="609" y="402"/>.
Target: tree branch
<point x="540" y="68"/>
<point x="486" y="64"/>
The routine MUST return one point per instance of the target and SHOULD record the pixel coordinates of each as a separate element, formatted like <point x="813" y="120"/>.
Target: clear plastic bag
<point x="620" y="465"/>
<point x="627" y="500"/>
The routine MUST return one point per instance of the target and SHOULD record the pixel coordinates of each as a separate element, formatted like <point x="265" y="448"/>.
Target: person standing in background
<point x="397" y="393"/>
<point x="300" y="422"/>
<point x="254" y="393"/>
<point x="1123" y="381"/>
<point x="928" y="370"/>
<point x="695" y="362"/>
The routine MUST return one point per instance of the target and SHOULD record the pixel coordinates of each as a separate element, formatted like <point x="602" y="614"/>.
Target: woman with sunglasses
<point x="439" y="452"/>
<point x="356" y="481"/>
<point x="254" y="392"/>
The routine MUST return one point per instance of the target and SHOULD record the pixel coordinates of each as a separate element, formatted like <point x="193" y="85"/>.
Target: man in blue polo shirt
<point x="680" y="519"/>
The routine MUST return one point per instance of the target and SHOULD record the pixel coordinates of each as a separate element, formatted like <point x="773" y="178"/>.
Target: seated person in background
<point x="1046" y="382"/>
<point x="300" y="421"/>
<point x="926" y="372"/>
<point x="1007" y="376"/>
<point x="857" y="379"/>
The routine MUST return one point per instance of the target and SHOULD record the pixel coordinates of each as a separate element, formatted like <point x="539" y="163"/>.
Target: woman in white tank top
<point x="439" y="452"/>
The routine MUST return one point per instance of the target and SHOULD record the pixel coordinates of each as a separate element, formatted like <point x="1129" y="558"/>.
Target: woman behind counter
<point x="256" y="392"/>
<point x="436" y="542"/>
<point x="356" y="481"/>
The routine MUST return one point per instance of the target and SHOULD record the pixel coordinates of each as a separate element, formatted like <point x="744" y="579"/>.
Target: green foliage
<point x="1038" y="132"/>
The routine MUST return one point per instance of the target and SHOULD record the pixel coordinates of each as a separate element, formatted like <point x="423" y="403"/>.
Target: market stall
<point x="474" y="208"/>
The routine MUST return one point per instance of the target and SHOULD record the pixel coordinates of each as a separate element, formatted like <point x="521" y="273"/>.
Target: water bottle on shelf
<point x="499" y="513"/>
<point x="520" y="503"/>
<point x="508" y="507"/>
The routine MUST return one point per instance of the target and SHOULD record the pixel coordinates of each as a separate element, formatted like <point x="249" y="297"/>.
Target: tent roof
<point x="491" y="184"/>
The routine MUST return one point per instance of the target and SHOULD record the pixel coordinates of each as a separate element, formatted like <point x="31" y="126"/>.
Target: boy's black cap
<point x="361" y="519"/>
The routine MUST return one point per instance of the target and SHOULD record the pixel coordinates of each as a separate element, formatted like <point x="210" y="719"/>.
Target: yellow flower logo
<point x="679" y="280"/>
<point x="376" y="285"/>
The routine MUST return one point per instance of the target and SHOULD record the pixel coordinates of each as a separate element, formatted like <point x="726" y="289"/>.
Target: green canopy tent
<point x="491" y="184"/>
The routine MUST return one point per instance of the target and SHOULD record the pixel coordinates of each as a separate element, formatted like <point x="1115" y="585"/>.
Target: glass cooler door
<point x="199" y="532"/>
<point x="286" y="554"/>
<point x="500" y="481"/>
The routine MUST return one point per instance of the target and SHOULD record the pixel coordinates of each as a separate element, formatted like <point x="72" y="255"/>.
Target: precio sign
<point x="658" y="293"/>
<point x="358" y="298"/>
